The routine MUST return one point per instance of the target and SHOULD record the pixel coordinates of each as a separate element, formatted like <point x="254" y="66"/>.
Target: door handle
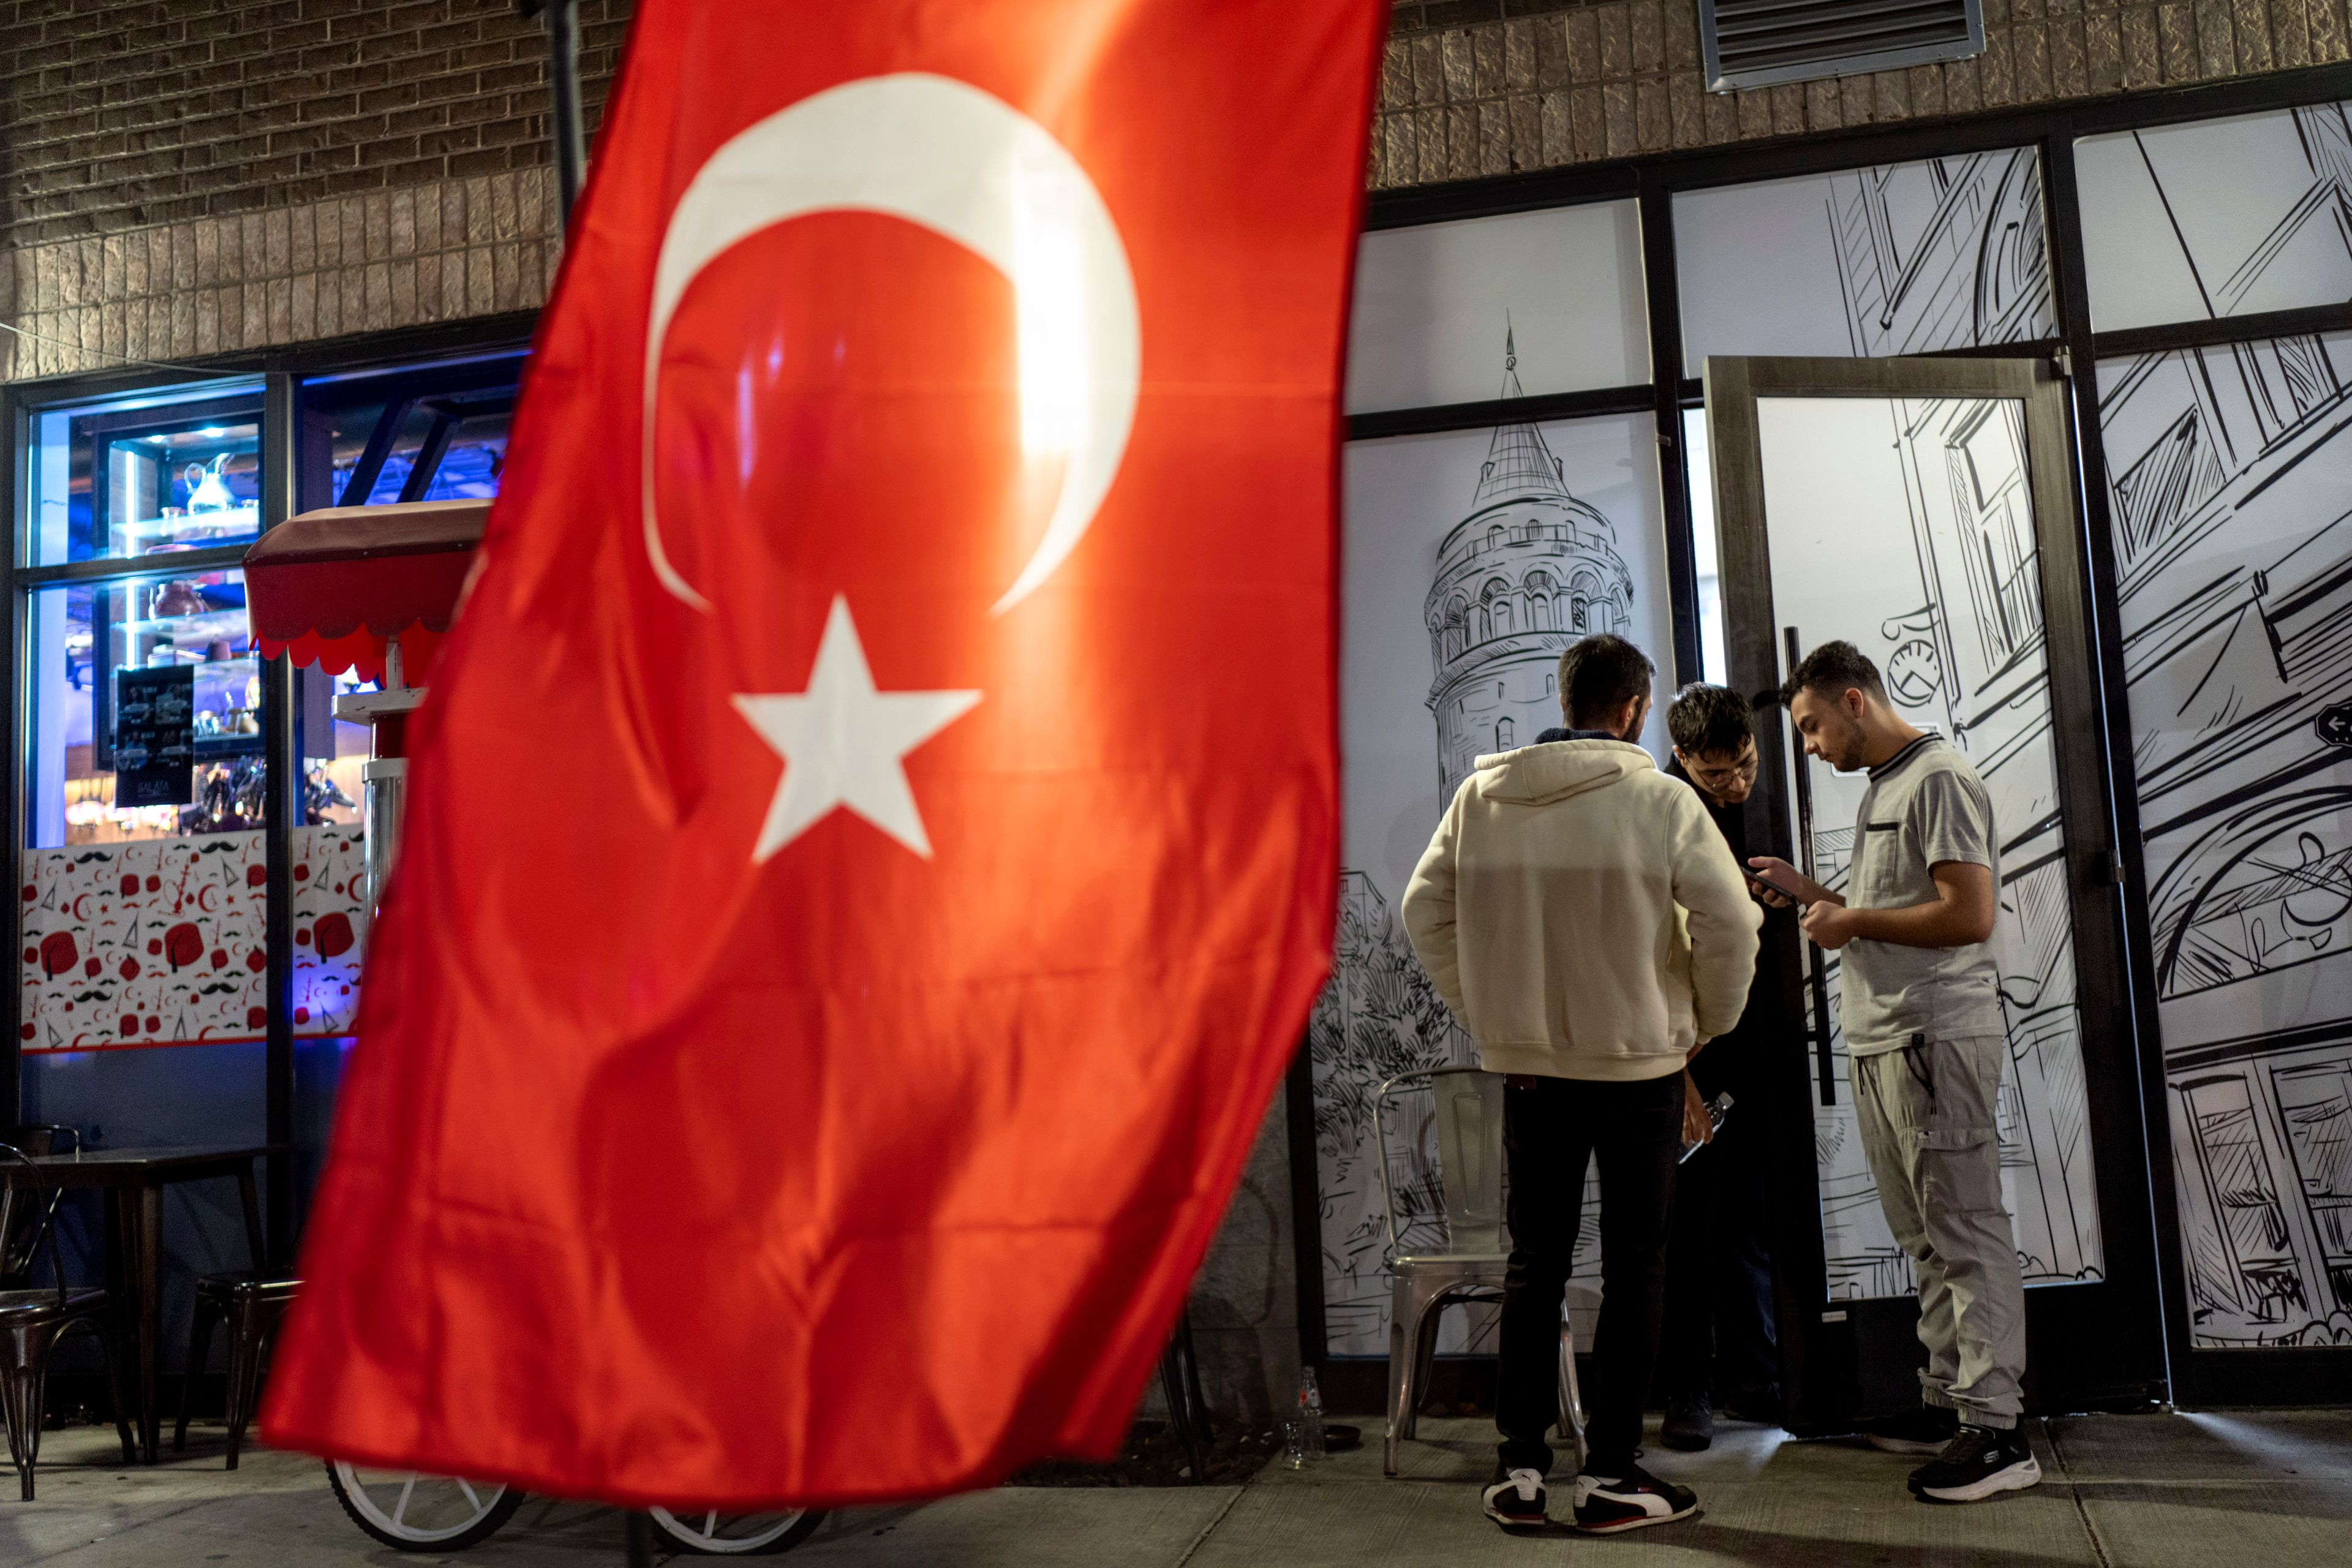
<point x="1816" y="963"/>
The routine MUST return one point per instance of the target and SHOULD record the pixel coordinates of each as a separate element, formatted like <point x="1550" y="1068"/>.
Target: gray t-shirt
<point x="1924" y="805"/>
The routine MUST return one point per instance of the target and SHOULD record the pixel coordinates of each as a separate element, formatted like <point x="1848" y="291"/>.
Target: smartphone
<point x="1761" y="880"/>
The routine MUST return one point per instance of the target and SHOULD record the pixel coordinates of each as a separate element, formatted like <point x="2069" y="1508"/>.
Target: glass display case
<point x="134" y="479"/>
<point x="142" y="504"/>
<point x="85" y="638"/>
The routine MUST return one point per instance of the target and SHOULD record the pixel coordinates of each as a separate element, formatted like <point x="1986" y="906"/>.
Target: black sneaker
<point x="1515" y="1501"/>
<point x="1926" y="1430"/>
<point x="1628" y="1497"/>
<point x="1977" y="1463"/>
<point x="1689" y="1423"/>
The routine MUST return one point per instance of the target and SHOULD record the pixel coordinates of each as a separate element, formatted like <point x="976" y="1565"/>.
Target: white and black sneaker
<point x="1928" y="1429"/>
<point x="1627" y="1497"/>
<point x="1978" y="1463"/>
<point x="1515" y="1502"/>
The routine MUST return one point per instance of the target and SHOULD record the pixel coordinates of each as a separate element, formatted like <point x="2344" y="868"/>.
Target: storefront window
<point x="147" y="475"/>
<point x="146" y="710"/>
<point x="417" y="434"/>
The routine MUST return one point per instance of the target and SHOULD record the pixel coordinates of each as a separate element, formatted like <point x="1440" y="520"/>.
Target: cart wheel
<point x="713" y="1533"/>
<point x="413" y="1512"/>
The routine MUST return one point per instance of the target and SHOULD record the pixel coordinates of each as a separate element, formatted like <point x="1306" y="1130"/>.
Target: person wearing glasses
<point x="1718" y="1344"/>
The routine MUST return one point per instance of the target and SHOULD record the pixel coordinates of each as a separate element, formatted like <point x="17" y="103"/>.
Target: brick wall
<point x="116" y="116"/>
<point x="185" y="177"/>
<point x="180" y="178"/>
<point x="1487" y="86"/>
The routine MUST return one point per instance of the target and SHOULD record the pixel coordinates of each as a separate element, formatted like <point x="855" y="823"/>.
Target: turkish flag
<point x="870" y="847"/>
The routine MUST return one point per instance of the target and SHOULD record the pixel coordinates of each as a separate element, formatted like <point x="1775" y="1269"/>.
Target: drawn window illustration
<point x="2315" y="1103"/>
<point x="1503" y="732"/>
<point x="2252" y="1268"/>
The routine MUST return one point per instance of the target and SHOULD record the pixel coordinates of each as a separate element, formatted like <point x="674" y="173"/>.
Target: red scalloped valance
<point x="332" y="587"/>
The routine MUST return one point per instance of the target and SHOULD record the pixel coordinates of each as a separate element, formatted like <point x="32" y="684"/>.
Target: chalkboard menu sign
<point x="155" y="736"/>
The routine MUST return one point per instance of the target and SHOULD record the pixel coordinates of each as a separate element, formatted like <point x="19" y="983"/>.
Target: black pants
<point x="1551" y="1128"/>
<point x="1719" y="1331"/>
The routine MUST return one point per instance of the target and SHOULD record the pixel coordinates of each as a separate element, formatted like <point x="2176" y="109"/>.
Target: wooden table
<point x="133" y="1181"/>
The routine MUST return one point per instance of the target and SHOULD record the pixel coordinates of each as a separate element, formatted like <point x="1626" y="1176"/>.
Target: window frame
<point x="287" y="444"/>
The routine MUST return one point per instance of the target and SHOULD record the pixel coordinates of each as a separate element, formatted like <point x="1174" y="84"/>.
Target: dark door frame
<point x="2109" y="1334"/>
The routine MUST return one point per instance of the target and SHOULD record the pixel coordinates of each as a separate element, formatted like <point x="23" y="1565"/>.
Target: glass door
<point x="1922" y="509"/>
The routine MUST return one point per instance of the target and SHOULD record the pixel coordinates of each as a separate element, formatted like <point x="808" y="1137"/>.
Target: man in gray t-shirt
<point x="1925" y="808"/>
<point x="1926" y="1044"/>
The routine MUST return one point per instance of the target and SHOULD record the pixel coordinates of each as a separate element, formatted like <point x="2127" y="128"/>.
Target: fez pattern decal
<point x="1962" y="655"/>
<point x="2229" y="470"/>
<point x="161" y="941"/>
<point x="1530" y="568"/>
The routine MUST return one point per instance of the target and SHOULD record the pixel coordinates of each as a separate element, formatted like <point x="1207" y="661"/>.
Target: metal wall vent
<point x="1756" y="43"/>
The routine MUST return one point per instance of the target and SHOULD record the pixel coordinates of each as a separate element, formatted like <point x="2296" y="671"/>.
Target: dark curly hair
<point x="1709" y="722"/>
<point x="1834" y="667"/>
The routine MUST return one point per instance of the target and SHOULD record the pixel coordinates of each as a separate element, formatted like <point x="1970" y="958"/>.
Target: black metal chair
<point x="32" y="1320"/>
<point x="17" y="1247"/>
<point x="252" y="1309"/>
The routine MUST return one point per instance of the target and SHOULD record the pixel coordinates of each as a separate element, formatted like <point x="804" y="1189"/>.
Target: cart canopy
<point x="332" y="587"/>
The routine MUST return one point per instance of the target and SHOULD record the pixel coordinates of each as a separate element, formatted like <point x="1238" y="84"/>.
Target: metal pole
<point x="281" y="814"/>
<point x="567" y="126"/>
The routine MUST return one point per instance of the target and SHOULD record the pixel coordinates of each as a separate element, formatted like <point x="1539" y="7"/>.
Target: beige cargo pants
<point x="1926" y="1112"/>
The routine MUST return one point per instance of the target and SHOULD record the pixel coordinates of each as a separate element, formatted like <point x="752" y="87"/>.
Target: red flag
<point x="870" y="848"/>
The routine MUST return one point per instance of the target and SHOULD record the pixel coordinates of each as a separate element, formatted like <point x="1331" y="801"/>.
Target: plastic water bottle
<point x="1310" y="1413"/>
<point x="1717" y="1109"/>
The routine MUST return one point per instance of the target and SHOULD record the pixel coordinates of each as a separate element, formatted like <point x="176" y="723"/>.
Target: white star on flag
<point x="843" y="741"/>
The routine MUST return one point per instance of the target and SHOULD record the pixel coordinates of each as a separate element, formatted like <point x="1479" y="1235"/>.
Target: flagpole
<point x="566" y="125"/>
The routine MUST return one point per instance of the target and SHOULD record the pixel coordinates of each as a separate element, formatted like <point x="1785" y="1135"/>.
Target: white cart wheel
<point x="415" y="1513"/>
<point x="715" y="1533"/>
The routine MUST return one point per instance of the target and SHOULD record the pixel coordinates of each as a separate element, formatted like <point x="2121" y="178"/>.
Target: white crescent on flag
<point x="944" y="154"/>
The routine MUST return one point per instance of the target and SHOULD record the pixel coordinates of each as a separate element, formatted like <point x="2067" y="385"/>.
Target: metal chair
<point x="19" y="1235"/>
<point x="252" y="1309"/>
<point x="33" y="1321"/>
<point x="1473" y="1252"/>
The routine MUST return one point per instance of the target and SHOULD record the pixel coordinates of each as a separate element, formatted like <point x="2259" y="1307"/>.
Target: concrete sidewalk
<point x="2121" y="1492"/>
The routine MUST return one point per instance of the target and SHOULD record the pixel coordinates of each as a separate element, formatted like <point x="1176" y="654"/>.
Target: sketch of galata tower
<point x="1529" y="570"/>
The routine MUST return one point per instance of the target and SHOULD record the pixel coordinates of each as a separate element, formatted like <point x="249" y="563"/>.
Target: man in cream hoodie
<point x="1586" y="922"/>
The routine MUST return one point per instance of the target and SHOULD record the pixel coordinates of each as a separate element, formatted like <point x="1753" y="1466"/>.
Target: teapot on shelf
<point x="207" y="491"/>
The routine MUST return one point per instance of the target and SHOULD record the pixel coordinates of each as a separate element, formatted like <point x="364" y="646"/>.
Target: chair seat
<point x="1471" y="1262"/>
<point x="244" y="1287"/>
<point x="18" y="1307"/>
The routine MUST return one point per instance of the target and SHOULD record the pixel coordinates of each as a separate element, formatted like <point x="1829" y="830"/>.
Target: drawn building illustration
<point x="1529" y="570"/>
<point x="1942" y="253"/>
<point x="1964" y="657"/>
<point x="2229" y="477"/>
<point x="2231" y="480"/>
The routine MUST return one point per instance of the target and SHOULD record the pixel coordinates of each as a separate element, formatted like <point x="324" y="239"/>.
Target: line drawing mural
<point x="1945" y="253"/>
<point x="1894" y="258"/>
<point x="2230" y="476"/>
<point x="1921" y="507"/>
<point x="1501" y="593"/>
<point x="2219" y="217"/>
